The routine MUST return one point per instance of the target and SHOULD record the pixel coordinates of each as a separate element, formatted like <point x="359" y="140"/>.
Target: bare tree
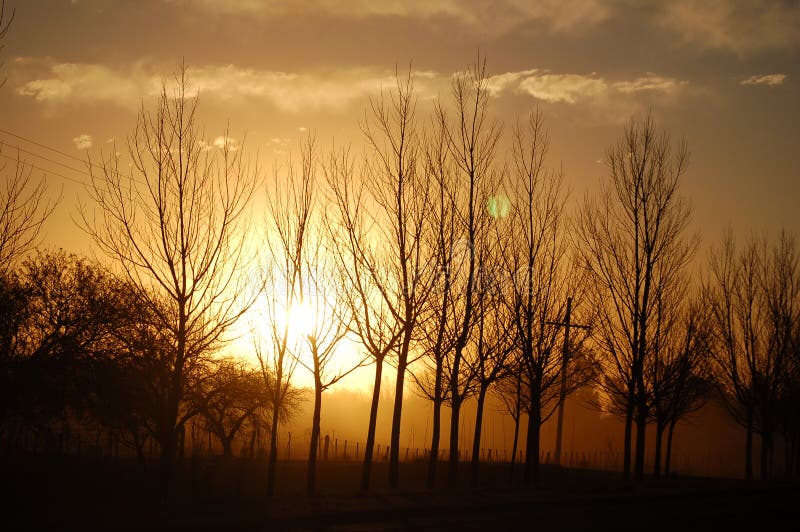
<point x="540" y="280"/>
<point x="678" y="371"/>
<point x="290" y="201"/>
<point x="327" y="326"/>
<point x="23" y="210"/>
<point x="227" y="396"/>
<point x="511" y="393"/>
<point x="629" y="237"/>
<point x="437" y="335"/>
<point x="385" y="241"/>
<point x="472" y="139"/>
<point x="176" y="226"/>
<point x="5" y="24"/>
<point x="371" y="318"/>
<point x="752" y="296"/>
<point x="493" y="342"/>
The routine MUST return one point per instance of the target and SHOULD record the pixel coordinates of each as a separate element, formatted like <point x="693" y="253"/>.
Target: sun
<point x="301" y="320"/>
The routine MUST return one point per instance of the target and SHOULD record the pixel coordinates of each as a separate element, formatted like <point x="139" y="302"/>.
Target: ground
<point x="59" y="494"/>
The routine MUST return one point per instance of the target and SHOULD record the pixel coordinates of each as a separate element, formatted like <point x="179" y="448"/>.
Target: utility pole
<point x="567" y="323"/>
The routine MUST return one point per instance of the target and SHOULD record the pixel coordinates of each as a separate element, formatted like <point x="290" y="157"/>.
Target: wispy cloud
<point x="650" y="82"/>
<point x="740" y="26"/>
<point x="60" y="83"/>
<point x="568" y="88"/>
<point x="770" y="80"/>
<point x="83" y="141"/>
<point x="495" y="18"/>
<point x="574" y="88"/>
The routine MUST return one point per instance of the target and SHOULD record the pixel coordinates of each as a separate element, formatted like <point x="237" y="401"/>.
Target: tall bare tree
<point x="492" y="344"/>
<point x="363" y="287"/>
<point x="437" y="335"/>
<point x="176" y="226"/>
<point x="472" y="138"/>
<point x="678" y="369"/>
<point x="752" y="296"/>
<point x="386" y="239"/>
<point x="540" y="279"/>
<point x="631" y="236"/>
<point x="290" y="205"/>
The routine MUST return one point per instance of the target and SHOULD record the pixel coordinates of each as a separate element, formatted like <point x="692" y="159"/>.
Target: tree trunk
<point x="626" y="452"/>
<point x="668" y="457"/>
<point x="433" y="458"/>
<point x="273" y="446"/>
<point x="748" y="447"/>
<point x="313" y="447"/>
<point x="227" y="447"/>
<point x="394" y="451"/>
<point x="168" y="444"/>
<point x="641" y="427"/>
<point x="532" y="443"/>
<point x="657" y="458"/>
<point x="138" y="442"/>
<point x="452" y="462"/>
<point x="366" y="470"/>
<point x="764" y="455"/>
<point x="514" y="448"/>
<point x="476" y="441"/>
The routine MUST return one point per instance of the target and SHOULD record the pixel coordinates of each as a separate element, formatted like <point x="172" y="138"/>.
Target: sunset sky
<point x="722" y="74"/>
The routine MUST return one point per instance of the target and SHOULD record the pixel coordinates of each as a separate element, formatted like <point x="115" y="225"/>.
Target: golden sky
<point x="722" y="74"/>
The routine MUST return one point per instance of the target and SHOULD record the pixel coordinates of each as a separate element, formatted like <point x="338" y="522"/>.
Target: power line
<point x="42" y="169"/>
<point x="20" y="137"/>
<point x="62" y="153"/>
<point x="68" y="167"/>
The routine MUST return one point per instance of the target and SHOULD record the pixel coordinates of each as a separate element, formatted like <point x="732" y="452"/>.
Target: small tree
<point x="230" y="394"/>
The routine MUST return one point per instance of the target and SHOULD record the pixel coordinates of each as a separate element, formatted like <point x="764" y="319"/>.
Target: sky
<point x="723" y="75"/>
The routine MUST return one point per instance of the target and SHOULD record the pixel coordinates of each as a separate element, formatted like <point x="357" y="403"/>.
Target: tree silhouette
<point x="175" y="225"/>
<point x="752" y="296"/>
<point x="290" y="204"/>
<point x="23" y="210"/>
<point x="5" y="23"/>
<point x="395" y="201"/>
<point x="472" y="139"/>
<point x="227" y="396"/>
<point x="363" y="287"/>
<point x="539" y="281"/>
<point x="631" y="241"/>
<point x="437" y="335"/>
<point x="678" y="371"/>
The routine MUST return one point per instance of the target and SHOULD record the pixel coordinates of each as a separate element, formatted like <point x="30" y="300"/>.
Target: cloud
<point x="82" y="82"/>
<point x="83" y="141"/>
<point x="568" y="88"/>
<point x="224" y="141"/>
<point x="574" y="88"/>
<point x="59" y="83"/>
<point x="495" y="18"/>
<point x="739" y="26"/>
<point x="770" y="80"/>
<point x="649" y="82"/>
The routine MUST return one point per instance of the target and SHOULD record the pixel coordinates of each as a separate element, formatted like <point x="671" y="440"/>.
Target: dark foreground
<point x="58" y="495"/>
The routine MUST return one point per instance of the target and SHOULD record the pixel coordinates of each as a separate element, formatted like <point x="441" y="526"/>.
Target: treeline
<point x="451" y="262"/>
